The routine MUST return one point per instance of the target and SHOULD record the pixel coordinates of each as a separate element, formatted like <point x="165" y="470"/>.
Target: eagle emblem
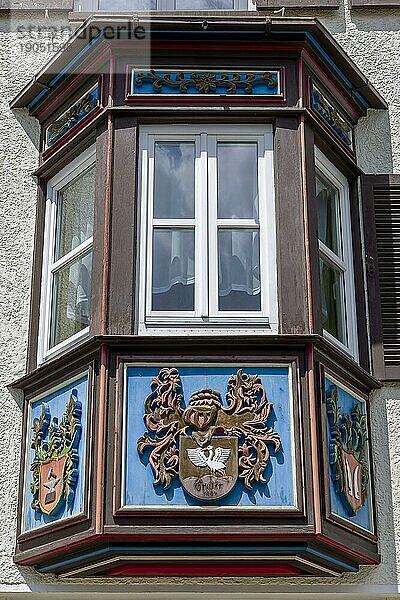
<point x="209" y="444"/>
<point x="213" y="458"/>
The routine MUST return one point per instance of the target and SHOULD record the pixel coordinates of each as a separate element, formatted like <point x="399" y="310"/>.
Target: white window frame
<point x="206" y="318"/>
<point x="346" y="263"/>
<point x="50" y="266"/>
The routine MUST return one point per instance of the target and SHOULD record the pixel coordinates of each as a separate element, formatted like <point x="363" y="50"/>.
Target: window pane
<point x="71" y="299"/>
<point x="333" y="306"/>
<point x="237" y="181"/>
<point x="204" y="4"/>
<point x="239" y="269"/>
<point x="121" y="5"/>
<point x="174" y="180"/>
<point x="75" y="212"/>
<point x="173" y="269"/>
<point x="328" y="213"/>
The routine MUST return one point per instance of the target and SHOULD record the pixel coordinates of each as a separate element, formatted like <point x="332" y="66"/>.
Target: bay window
<point x="335" y="256"/>
<point x="67" y="258"/>
<point x="207" y="227"/>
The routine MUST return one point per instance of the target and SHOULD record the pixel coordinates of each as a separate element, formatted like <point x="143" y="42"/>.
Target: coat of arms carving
<point x="348" y="452"/>
<point x="208" y="444"/>
<point x="55" y="464"/>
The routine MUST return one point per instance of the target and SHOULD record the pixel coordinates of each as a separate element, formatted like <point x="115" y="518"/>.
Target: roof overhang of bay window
<point x="90" y="41"/>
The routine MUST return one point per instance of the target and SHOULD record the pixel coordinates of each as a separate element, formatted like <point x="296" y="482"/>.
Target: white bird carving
<point x="213" y="458"/>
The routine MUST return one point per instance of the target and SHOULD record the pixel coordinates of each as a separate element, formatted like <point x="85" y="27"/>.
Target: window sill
<point x="210" y="328"/>
<point x="63" y="347"/>
<point x="350" y="353"/>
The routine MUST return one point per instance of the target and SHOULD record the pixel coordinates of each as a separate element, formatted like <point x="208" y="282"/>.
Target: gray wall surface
<point x="372" y="40"/>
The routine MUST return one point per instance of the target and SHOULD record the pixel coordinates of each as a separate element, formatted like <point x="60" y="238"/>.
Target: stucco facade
<point x="372" y="39"/>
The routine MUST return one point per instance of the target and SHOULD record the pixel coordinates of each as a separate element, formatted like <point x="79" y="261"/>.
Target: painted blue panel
<point x="74" y="115"/>
<point x="56" y="403"/>
<point x="332" y="117"/>
<point x="363" y="517"/>
<point x="206" y="83"/>
<point x="139" y="478"/>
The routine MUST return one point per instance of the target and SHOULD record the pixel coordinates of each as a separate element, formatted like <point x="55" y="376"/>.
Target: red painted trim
<point x="204" y="569"/>
<point x="334" y="544"/>
<point x="72" y="84"/>
<point x="99" y="499"/>
<point x="355" y="112"/>
<point x="301" y="80"/>
<point x="104" y="538"/>
<point x="199" y="47"/>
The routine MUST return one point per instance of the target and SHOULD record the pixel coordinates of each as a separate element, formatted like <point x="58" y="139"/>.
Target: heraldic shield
<point x="211" y="472"/>
<point x="56" y="460"/>
<point x="51" y="484"/>
<point x="353" y="481"/>
<point x="348" y="452"/>
<point x="209" y="445"/>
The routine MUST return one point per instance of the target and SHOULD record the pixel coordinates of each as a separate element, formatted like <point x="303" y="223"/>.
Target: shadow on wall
<point x="29" y="124"/>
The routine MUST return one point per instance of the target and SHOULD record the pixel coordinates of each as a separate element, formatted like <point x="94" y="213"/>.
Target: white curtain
<point x="239" y="262"/>
<point x="173" y="260"/>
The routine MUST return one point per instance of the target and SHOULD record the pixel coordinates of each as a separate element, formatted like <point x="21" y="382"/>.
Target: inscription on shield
<point x="210" y="472"/>
<point x="51" y="481"/>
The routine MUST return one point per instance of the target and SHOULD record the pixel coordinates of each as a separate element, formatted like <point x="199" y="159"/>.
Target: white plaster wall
<point x="372" y="39"/>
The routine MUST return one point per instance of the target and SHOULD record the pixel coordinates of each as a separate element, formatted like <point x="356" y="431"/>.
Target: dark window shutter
<point x="382" y="230"/>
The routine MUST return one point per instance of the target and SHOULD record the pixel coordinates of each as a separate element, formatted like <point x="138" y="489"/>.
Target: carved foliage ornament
<point x="208" y="445"/>
<point x="55" y="464"/>
<point x="332" y="117"/>
<point x="74" y="115"/>
<point x="208" y="82"/>
<point x="348" y="452"/>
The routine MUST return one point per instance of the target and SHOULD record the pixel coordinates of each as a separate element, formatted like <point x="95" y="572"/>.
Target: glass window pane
<point x="173" y="269"/>
<point x="204" y="4"/>
<point x="239" y="270"/>
<point x="71" y="299"/>
<point x="174" y="180"/>
<point x="237" y="181"/>
<point x="328" y="213"/>
<point x="75" y="212"/>
<point x="121" y="5"/>
<point x="333" y="306"/>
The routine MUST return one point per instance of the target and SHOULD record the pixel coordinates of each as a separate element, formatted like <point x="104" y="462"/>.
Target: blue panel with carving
<point x="55" y="471"/>
<point x="206" y="83"/>
<point x="332" y="117"/>
<point x="212" y="436"/>
<point x="74" y="115"/>
<point x="350" y="486"/>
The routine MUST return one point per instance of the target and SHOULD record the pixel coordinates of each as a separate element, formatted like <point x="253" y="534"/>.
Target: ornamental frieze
<point x="331" y="117"/>
<point x="206" y="82"/>
<point x="73" y="116"/>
